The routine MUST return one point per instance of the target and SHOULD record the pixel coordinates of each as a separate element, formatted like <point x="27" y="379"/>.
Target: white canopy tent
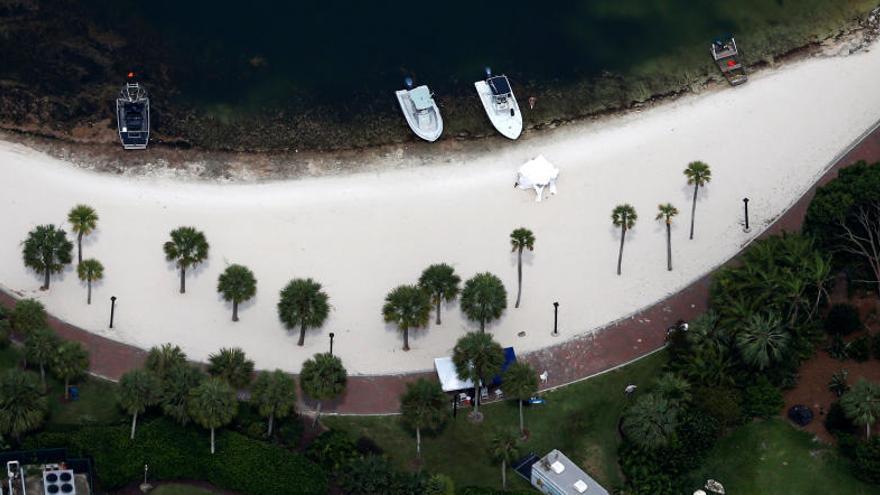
<point x="448" y="377"/>
<point x="537" y="174"/>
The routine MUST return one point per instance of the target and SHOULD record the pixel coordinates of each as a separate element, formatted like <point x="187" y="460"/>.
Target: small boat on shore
<point x="133" y="115"/>
<point x="726" y="55"/>
<point x="500" y="104"/>
<point x="420" y="110"/>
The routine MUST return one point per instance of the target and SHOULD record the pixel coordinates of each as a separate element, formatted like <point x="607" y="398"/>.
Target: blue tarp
<point x="509" y="358"/>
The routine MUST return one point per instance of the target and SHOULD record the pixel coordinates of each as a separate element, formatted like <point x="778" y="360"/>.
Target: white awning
<point x="448" y="377"/>
<point x="537" y="174"/>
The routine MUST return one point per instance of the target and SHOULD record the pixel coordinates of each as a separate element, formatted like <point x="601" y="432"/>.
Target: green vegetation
<point x="231" y="366"/>
<point x="441" y="282"/>
<point x="623" y="216"/>
<point x="212" y="405"/>
<point x="89" y="271"/>
<point x="323" y="378"/>
<point x="303" y="304"/>
<point x="483" y="298"/>
<point x="770" y="457"/>
<point x="237" y="284"/>
<point x="274" y="395"/>
<point x="187" y="248"/>
<point x="698" y="175"/>
<point x="175" y="489"/>
<point x="665" y="212"/>
<point x="46" y="250"/>
<point x="423" y="406"/>
<point x="477" y="357"/>
<point x="409" y="307"/>
<point x="581" y="420"/>
<point x="520" y="239"/>
<point x="83" y="220"/>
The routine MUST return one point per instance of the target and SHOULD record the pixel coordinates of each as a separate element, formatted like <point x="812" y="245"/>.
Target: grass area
<point x="580" y="420"/>
<point x="175" y="489"/>
<point x="771" y="457"/>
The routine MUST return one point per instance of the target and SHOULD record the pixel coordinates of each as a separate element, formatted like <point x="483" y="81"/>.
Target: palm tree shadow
<point x="528" y="258"/>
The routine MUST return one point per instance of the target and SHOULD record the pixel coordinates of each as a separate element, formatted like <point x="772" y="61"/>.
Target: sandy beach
<point x="361" y="235"/>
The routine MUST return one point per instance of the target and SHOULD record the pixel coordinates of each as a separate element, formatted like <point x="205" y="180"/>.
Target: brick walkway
<point x="618" y="343"/>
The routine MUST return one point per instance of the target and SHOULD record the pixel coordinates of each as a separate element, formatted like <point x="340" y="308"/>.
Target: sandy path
<point x="361" y="235"/>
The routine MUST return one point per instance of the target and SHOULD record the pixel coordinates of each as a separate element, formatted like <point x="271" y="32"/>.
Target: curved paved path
<point x="612" y="346"/>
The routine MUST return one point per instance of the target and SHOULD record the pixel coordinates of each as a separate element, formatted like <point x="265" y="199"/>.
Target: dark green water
<point x="256" y="54"/>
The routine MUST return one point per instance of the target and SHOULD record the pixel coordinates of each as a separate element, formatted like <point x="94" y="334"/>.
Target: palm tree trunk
<point x="477" y="397"/>
<point x="42" y="375"/>
<point x="317" y="415"/>
<point x="134" y="420"/>
<point x="694" y="209"/>
<point x="504" y="475"/>
<point x="89" y="297"/>
<point x="418" y="442"/>
<point x="482" y="324"/>
<point x="439" y="301"/>
<point x="46" y="279"/>
<point x="302" y="334"/>
<point x="518" y="276"/>
<point x="406" y="339"/>
<point x="522" y="428"/>
<point x="234" y="310"/>
<point x="183" y="281"/>
<point x="79" y="248"/>
<point x="212" y="441"/>
<point x="271" y="421"/>
<point x="668" y="245"/>
<point x="66" y="389"/>
<point x="622" y="237"/>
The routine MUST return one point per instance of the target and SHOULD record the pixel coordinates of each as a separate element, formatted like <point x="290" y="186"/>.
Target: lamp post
<point x="555" y="318"/>
<point x="112" y="309"/>
<point x="331" y="342"/>
<point x="746" y="206"/>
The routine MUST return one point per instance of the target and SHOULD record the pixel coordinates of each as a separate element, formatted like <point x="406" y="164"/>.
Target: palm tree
<point x="503" y="448"/>
<point x="161" y="360"/>
<point x="623" y="216"/>
<point x="441" y="282"/>
<point x="89" y="271"/>
<point x="409" y="307"/>
<point x="862" y="404"/>
<point x="423" y="405"/>
<point x="232" y="366"/>
<point x="187" y="247"/>
<point x="303" y="304"/>
<point x="763" y="341"/>
<point x="83" y="220"/>
<point x="520" y="239"/>
<point x="28" y="316"/>
<point x="22" y="405"/>
<point x="665" y="213"/>
<point x="322" y="378"/>
<point x="138" y="390"/>
<point x="46" y="250"/>
<point x="477" y="356"/>
<point x="237" y="284"/>
<point x="651" y="422"/>
<point x="672" y="387"/>
<point x="520" y="382"/>
<point x="483" y="298"/>
<point x="212" y="405"/>
<point x="177" y="384"/>
<point x="698" y="175"/>
<point x="274" y="394"/>
<point x="71" y="361"/>
<point x="40" y="348"/>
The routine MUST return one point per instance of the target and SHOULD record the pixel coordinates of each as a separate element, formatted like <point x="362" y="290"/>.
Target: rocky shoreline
<point x="79" y="126"/>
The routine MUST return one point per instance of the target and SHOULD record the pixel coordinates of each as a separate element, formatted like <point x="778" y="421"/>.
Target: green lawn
<point x="772" y="457"/>
<point x="580" y="420"/>
<point x="173" y="489"/>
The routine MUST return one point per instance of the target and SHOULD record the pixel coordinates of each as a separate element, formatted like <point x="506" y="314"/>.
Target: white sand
<point x="362" y="235"/>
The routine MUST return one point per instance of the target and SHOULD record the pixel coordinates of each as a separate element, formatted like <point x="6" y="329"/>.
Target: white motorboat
<point x="133" y="115"/>
<point x="421" y="111"/>
<point x="500" y="104"/>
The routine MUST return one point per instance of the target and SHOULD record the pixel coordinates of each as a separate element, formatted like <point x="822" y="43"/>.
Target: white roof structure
<point x="448" y="377"/>
<point x="537" y="174"/>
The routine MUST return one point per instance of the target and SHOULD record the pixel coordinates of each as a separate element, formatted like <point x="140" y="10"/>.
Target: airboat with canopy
<point x="133" y="115"/>
<point x="420" y="110"/>
<point x="500" y="104"/>
<point x="726" y="55"/>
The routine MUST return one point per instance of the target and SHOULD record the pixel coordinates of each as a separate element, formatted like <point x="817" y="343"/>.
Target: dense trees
<point x="483" y="298"/>
<point x="40" y="348"/>
<point x="187" y="248"/>
<point x="177" y="382"/>
<point x="70" y="362"/>
<point x="441" y="282"/>
<point x="231" y="366"/>
<point x="408" y="307"/>
<point x="520" y="239"/>
<point x="623" y="216"/>
<point x="423" y="405"/>
<point x="212" y="405"/>
<point x="138" y="390"/>
<point x="46" y="250"/>
<point x="161" y="360"/>
<point x="477" y="357"/>
<point x="698" y="175"/>
<point x="651" y="422"/>
<point x="29" y="315"/>
<point x="89" y="271"/>
<point x="323" y="378"/>
<point x="237" y="284"/>
<point x="83" y="220"/>
<point x="303" y="304"/>
<point x="23" y="407"/>
<point x="274" y="394"/>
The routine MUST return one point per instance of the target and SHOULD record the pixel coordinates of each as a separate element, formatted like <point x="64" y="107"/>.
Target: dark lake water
<point x="254" y="54"/>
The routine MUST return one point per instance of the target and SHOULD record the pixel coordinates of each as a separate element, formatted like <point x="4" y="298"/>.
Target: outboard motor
<point x="488" y="71"/>
<point x="408" y="82"/>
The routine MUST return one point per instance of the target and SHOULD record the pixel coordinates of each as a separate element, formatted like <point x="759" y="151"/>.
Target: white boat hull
<point x="428" y="125"/>
<point x="510" y="126"/>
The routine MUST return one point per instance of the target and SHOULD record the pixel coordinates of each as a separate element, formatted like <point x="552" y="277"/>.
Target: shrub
<point x="837" y="423"/>
<point x="838" y="383"/>
<point x="842" y="319"/>
<point x="290" y="431"/>
<point x="366" y="446"/>
<point x="867" y="460"/>
<point x="762" y="399"/>
<point x="721" y="403"/>
<point x="374" y="474"/>
<point x="332" y="450"/>
<point x="859" y="349"/>
<point x="837" y="348"/>
<point x="176" y="452"/>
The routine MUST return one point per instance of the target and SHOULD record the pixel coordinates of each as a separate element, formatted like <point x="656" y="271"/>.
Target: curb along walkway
<point x="616" y="344"/>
